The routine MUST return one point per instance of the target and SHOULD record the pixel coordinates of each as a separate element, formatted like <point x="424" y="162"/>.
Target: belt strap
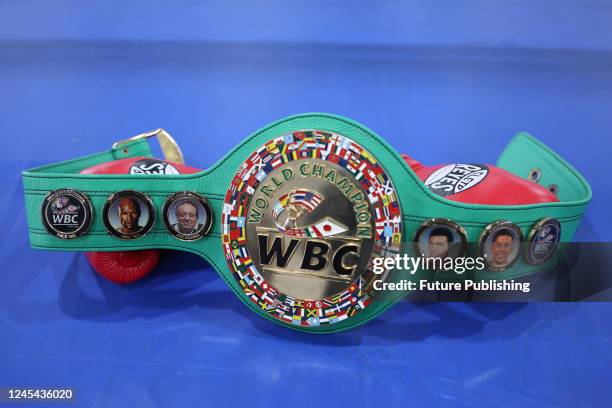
<point x="418" y="204"/>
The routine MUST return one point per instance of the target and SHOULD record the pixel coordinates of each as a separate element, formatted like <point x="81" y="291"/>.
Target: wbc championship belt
<point x="300" y="218"/>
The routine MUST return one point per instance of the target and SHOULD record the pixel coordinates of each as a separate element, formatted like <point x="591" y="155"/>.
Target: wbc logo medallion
<point x="302" y="220"/>
<point x="66" y="213"/>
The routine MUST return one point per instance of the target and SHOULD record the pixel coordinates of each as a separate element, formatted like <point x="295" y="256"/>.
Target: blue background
<point x="441" y="81"/>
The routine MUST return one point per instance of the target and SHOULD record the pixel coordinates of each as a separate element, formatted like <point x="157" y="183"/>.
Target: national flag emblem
<point x="326" y="228"/>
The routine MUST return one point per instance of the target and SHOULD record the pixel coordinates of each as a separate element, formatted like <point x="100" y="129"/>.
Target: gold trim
<point x="170" y="148"/>
<point x="282" y="271"/>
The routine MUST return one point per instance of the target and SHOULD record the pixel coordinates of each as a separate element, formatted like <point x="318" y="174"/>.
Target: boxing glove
<point x="480" y="184"/>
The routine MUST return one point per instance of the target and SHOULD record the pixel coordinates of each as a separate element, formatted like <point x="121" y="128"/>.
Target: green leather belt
<point x="299" y="211"/>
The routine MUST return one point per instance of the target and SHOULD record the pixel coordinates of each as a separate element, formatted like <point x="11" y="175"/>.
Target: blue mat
<point x="443" y="84"/>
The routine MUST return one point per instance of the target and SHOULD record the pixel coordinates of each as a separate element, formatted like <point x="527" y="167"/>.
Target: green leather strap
<point x="417" y="202"/>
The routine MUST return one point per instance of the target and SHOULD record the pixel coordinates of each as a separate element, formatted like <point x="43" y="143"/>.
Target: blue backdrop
<point x="441" y="82"/>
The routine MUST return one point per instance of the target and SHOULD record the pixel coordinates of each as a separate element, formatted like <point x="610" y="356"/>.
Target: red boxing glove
<point x="124" y="266"/>
<point x="480" y="184"/>
<point x="130" y="266"/>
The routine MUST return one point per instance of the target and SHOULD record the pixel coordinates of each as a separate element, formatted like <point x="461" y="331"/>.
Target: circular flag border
<point x="368" y="172"/>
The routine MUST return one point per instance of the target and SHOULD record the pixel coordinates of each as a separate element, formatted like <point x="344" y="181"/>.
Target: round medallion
<point x="128" y="214"/>
<point x="187" y="215"/>
<point x="304" y="217"/>
<point x="440" y="238"/>
<point x="500" y="244"/>
<point x="66" y="213"/>
<point x="543" y="239"/>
